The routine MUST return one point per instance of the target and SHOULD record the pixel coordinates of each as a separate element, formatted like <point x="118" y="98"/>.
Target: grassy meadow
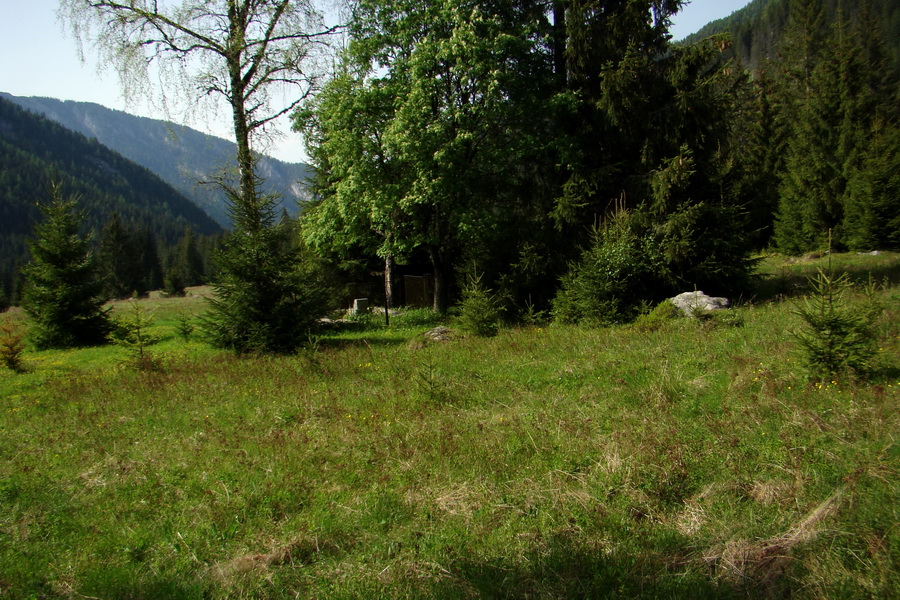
<point x="695" y="460"/>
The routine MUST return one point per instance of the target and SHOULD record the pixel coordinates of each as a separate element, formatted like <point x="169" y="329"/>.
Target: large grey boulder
<point x="697" y="303"/>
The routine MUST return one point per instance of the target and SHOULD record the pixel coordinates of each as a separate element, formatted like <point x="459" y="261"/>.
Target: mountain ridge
<point x="187" y="159"/>
<point x="35" y="150"/>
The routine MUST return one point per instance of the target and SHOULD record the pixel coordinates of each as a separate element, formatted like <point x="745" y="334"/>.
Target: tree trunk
<point x="440" y="281"/>
<point x="238" y="100"/>
<point x="242" y="139"/>
<point x="388" y="287"/>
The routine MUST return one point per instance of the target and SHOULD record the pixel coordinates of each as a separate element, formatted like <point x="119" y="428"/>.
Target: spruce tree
<point x="265" y="300"/>
<point x="148" y="258"/>
<point x="118" y="260"/>
<point x="840" y="100"/>
<point x="63" y="292"/>
<point x="872" y="205"/>
<point x="184" y="265"/>
<point x="814" y="181"/>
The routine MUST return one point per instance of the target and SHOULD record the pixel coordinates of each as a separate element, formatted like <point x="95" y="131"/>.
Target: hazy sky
<point x="40" y="59"/>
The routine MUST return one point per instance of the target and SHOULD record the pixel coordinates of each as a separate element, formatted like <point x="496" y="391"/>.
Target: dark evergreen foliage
<point x="267" y="297"/>
<point x="33" y="150"/>
<point x="653" y="133"/>
<point x="758" y="28"/>
<point x="119" y="261"/>
<point x="185" y="265"/>
<point x="616" y="275"/>
<point x="178" y="155"/>
<point x="839" y="106"/>
<point x="63" y="293"/>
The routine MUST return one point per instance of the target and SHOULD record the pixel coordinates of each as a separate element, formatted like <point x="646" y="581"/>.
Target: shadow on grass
<point x="793" y="280"/>
<point x="347" y="334"/>
<point x="370" y="338"/>
<point x="567" y="572"/>
<point x="120" y="583"/>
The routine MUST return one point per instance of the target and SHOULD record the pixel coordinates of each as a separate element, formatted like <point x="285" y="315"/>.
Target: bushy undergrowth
<point x="664" y="312"/>
<point x="133" y="332"/>
<point x="550" y="462"/>
<point x="12" y="344"/>
<point x="615" y="275"/>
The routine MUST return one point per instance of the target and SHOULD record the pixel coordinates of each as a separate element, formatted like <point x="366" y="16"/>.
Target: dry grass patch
<point x="764" y="562"/>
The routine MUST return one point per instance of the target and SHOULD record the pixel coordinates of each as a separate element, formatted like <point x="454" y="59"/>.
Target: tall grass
<point x="693" y="460"/>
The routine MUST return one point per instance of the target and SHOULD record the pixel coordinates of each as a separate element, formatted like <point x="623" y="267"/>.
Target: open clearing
<point x="548" y="462"/>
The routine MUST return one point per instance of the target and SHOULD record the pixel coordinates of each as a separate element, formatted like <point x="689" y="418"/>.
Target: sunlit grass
<point x="548" y="462"/>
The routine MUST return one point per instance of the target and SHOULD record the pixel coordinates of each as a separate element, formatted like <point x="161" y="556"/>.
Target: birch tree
<point x="244" y="51"/>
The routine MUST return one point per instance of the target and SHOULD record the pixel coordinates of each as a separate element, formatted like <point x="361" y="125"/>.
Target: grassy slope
<point x="693" y="461"/>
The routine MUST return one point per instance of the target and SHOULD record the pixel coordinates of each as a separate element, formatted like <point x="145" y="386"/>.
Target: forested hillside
<point x="181" y="156"/>
<point x="35" y="150"/>
<point x="758" y="28"/>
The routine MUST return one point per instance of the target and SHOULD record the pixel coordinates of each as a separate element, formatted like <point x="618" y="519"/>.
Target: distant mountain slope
<point x="757" y="28"/>
<point x="179" y="155"/>
<point x="34" y="149"/>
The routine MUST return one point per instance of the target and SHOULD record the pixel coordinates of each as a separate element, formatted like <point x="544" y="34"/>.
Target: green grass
<point x="690" y="461"/>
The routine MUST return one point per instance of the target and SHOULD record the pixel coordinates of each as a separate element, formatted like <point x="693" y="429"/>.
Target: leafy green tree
<point x="241" y="51"/>
<point x="237" y="50"/>
<point x="63" y="293"/>
<point x="419" y="140"/>
<point x="360" y="184"/>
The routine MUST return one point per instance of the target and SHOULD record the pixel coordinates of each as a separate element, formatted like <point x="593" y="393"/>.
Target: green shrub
<point x="615" y="275"/>
<point x="184" y="326"/>
<point x="664" y="312"/>
<point x="133" y="333"/>
<point x="725" y="318"/>
<point x="479" y="311"/>
<point x="12" y="345"/>
<point x="839" y="336"/>
<point x="531" y="316"/>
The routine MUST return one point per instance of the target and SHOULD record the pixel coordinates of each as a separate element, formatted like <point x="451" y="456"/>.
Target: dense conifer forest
<point x="179" y="155"/>
<point x="758" y="28"/>
<point x="149" y="215"/>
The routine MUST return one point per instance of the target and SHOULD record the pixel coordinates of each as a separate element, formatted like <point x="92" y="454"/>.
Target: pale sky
<point x="39" y="58"/>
